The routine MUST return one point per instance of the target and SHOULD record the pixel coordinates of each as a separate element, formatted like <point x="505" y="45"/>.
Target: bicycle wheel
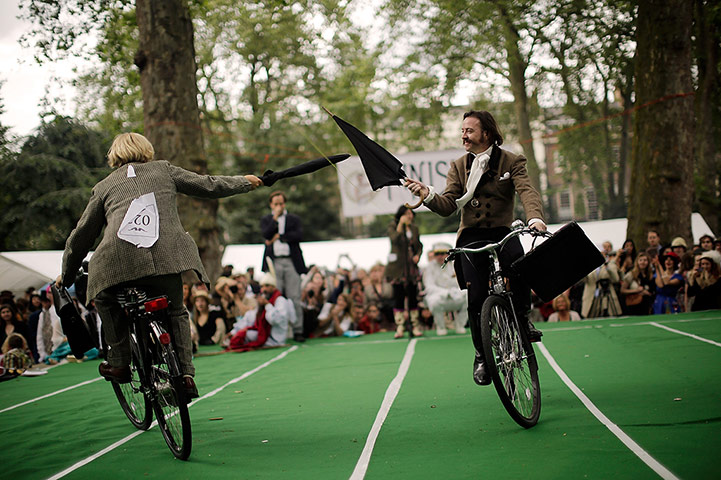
<point x="511" y="361"/>
<point x="169" y="402"/>
<point x="131" y="396"/>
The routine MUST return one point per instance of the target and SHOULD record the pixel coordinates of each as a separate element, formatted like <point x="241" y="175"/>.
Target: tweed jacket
<point x="492" y="203"/>
<point x="116" y="261"/>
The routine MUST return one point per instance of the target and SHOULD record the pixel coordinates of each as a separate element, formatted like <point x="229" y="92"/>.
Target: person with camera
<point x="668" y="282"/>
<point x="267" y="324"/>
<point x="704" y="285"/>
<point x="599" y="294"/>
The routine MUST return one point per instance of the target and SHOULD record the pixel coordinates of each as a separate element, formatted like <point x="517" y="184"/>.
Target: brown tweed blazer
<point x="492" y="202"/>
<point x="116" y="261"/>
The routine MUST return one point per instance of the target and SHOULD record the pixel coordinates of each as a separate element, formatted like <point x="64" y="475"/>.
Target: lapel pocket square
<point x="505" y="176"/>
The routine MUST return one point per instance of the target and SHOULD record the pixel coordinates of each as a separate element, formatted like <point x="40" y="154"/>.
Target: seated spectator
<point x="233" y="299"/>
<point x="717" y="245"/>
<point x="373" y="321"/>
<point x="704" y="284"/>
<point x="335" y="319"/>
<point x="15" y="357"/>
<point x="356" y="292"/>
<point x="626" y="257"/>
<point x="209" y="320"/>
<point x="599" y="294"/>
<point x="668" y="282"/>
<point x="16" y="354"/>
<point x="638" y="287"/>
<point x="11" y="322"/>
<point x="380" y="291"/>
<point x="267" y="324"/>
<point x="562" y="311"/>
<point x="442" y="292"/>
<point x="50" y="340"/>
<point x="312" y="298"/>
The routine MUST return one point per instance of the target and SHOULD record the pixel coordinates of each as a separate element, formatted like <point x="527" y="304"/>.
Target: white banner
<point x="359" y="199"/>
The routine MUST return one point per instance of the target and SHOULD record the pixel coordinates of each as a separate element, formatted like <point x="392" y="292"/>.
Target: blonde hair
<point x="563" y="297"/>
<point x="130" y="147"/>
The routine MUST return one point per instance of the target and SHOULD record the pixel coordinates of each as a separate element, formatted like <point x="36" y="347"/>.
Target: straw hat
<point x="441" y="247"/>
<point x="679" y="242"/>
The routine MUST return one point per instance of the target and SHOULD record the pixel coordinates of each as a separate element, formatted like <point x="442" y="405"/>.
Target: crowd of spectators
<point x="656" y="279"/>
<point x="350" y="301"/>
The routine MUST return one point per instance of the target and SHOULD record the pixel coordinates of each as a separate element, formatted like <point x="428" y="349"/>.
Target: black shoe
<point x="298" y="337"/>
<point x="191" y="391"/>
<point x="534" y="334"/>
<point x="480" y="375"/>
<point x="114" y="374"/>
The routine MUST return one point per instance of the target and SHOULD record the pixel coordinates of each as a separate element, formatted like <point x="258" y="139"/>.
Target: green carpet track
<point x="307" y="415"/>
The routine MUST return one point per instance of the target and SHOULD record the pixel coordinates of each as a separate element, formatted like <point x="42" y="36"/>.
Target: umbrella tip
<point x="327" y="111"/>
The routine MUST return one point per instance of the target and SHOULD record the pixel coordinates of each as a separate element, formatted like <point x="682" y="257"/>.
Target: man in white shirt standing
<point x="283" y="233"/>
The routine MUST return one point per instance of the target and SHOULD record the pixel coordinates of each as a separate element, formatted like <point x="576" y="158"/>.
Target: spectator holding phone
<point x="668" y="282"/>
<point x="704" y="285"/>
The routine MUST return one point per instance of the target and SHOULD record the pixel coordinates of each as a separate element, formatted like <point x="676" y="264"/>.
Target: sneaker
<point x="400" y="331"/>
<point x="114" y="374"/>
<point x="480" y="375"/>
<point x="298" y="337"/>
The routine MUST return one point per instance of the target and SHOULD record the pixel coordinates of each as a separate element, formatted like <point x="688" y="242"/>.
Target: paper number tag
<point x="141" y="222"/>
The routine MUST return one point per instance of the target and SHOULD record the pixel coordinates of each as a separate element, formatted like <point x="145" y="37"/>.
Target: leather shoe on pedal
<point x="480" y="375"/>
<point x="534" y="334"/>
<point x="191" y="391"/>
<point x="114" y="374"/>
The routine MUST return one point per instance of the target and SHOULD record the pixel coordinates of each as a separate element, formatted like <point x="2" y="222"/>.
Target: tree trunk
<point x="661" y="190"/>
<point x="166" y="60"/>
<point x="517" y="77"/>
<point x="708" y="95"/>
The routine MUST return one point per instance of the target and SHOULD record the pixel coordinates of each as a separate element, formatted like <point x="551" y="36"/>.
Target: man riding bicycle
<point x="481" y="185"/>
<point x="144" y="244"/>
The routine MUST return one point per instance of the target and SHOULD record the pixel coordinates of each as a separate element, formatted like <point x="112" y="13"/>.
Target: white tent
<point x="20" y="270"/>
<point x="368" y="251"/>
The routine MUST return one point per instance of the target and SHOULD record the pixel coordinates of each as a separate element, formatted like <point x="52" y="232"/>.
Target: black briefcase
<point x="558" y="263"/>
<point x="74" y="327"/>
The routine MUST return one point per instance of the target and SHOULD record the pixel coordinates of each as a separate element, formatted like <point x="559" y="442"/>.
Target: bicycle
<point x="156" y="378"/>
<point x="507" y="351"/>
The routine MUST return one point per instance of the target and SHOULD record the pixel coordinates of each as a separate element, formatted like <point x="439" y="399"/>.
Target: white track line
<point x="120" y="442"/>
<point x="391" y="393"/>
<point x="695" y="337"/>
<point x="662" y="471"/>
<point x="50" y="394"/>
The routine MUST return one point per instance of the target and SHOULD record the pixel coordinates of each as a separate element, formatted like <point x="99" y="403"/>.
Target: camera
<point x="604" y="283"/>
<point x="234" y="288"/>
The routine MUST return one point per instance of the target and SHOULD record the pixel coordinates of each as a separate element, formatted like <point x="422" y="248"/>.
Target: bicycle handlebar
<point x="517" y="228"/>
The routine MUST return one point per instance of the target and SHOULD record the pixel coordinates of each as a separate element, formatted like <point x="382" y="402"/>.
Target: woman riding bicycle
<point x="144" y="244"/>
<point x="482" y="185"/>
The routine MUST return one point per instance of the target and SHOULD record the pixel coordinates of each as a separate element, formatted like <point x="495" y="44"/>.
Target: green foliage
<point x="47" y="184"/>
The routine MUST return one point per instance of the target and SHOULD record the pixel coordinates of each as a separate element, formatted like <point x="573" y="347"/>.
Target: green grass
<point x="308" y="415"/>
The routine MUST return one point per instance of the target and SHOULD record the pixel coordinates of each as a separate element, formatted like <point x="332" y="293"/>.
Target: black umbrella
<point x="381" y="167"/>
<point x="270" y="177"/>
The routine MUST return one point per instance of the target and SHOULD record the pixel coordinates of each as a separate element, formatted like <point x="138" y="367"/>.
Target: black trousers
<point x="473" y="273"/>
